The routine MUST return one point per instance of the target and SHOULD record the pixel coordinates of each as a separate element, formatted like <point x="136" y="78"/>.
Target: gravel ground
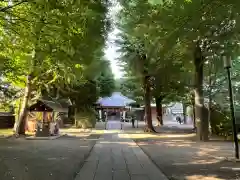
<point x="58" y="159"/>
<point x="180" y="157"/>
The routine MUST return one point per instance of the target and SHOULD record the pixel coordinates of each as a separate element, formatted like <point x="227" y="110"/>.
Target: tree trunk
<point x="142" y="67"/>
<point x="159" y="110"/>
<point x="19" y="108"/>
<point x="201" y="122"/>
<point x="20" y="129"/>
<point x="210" y="113"/>
<point x="193" y="111"/>
<point x="18" y="115"/>
<point x="57" y="93"/>
<point x="147" y="99"/>
<point x="210" y="97"/>
<point x="184" y="113"/>
<point x="193" y="116"/>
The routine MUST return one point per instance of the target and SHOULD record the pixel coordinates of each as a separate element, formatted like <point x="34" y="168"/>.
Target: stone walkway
<point x="116" y="157"/>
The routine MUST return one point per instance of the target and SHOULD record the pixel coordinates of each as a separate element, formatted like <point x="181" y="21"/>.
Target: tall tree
<point x="197" y="27"/>
<point x="54" y="45"/>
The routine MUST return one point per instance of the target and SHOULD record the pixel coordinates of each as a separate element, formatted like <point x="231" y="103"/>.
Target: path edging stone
<point x="165" y="176"/>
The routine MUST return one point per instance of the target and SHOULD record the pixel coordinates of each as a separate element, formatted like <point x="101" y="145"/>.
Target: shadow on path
<point x="180" y="157"/>
<point x="58" y="159"/>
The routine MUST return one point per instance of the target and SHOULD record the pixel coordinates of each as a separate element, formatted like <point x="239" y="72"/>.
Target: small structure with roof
<point x="47" y="106"/>
<point x="43" y="117"/>
<point x="115" y="101"/>
<point x="113" y="106"/>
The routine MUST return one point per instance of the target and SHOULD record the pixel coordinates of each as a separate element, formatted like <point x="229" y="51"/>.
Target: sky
<point x="111" y="50"/>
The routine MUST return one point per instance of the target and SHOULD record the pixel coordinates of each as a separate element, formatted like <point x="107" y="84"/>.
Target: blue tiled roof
<point x="116" y="100"/>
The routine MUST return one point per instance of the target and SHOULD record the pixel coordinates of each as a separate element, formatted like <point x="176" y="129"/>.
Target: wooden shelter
<point x="47" y="106"/>
<point x="45" y="120"/>
<point x="115" y="105"/>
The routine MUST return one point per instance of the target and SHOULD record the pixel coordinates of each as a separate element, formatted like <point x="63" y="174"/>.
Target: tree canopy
<point x="56" y="48"/>
<point x="178" y="46"/>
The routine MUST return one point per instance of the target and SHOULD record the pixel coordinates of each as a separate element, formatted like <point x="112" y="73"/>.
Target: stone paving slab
<point x="120" y="175"/>
<point x="117" y="157"/>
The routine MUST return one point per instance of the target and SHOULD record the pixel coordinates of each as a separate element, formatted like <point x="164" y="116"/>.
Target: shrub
<point x="86" y="118"/>
<point x="220" y="122"/>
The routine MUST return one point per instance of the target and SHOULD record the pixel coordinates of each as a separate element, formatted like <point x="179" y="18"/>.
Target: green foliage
<point x="167" y="32"/>
<point x="130" y="87"/>
<point x="105" y="81"/>
<point x="86" y="118"/>
<point x="138" y="36"/>
<point x="83" y="95"/>
<point x="60" y="44"/>
<point x="220" y="122"/>
<point x="87" y="93"/>
<point x="8" y="95"/>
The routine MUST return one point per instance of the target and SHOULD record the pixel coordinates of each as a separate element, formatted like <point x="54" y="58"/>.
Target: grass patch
<point x="100" y="132"/>
<point x="6" y="132"/>
<point x="160" y="136"/>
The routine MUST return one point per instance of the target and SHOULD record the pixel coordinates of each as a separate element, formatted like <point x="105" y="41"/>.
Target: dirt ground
<point x="180" y="157"/>
<point x="58" y="159"/>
